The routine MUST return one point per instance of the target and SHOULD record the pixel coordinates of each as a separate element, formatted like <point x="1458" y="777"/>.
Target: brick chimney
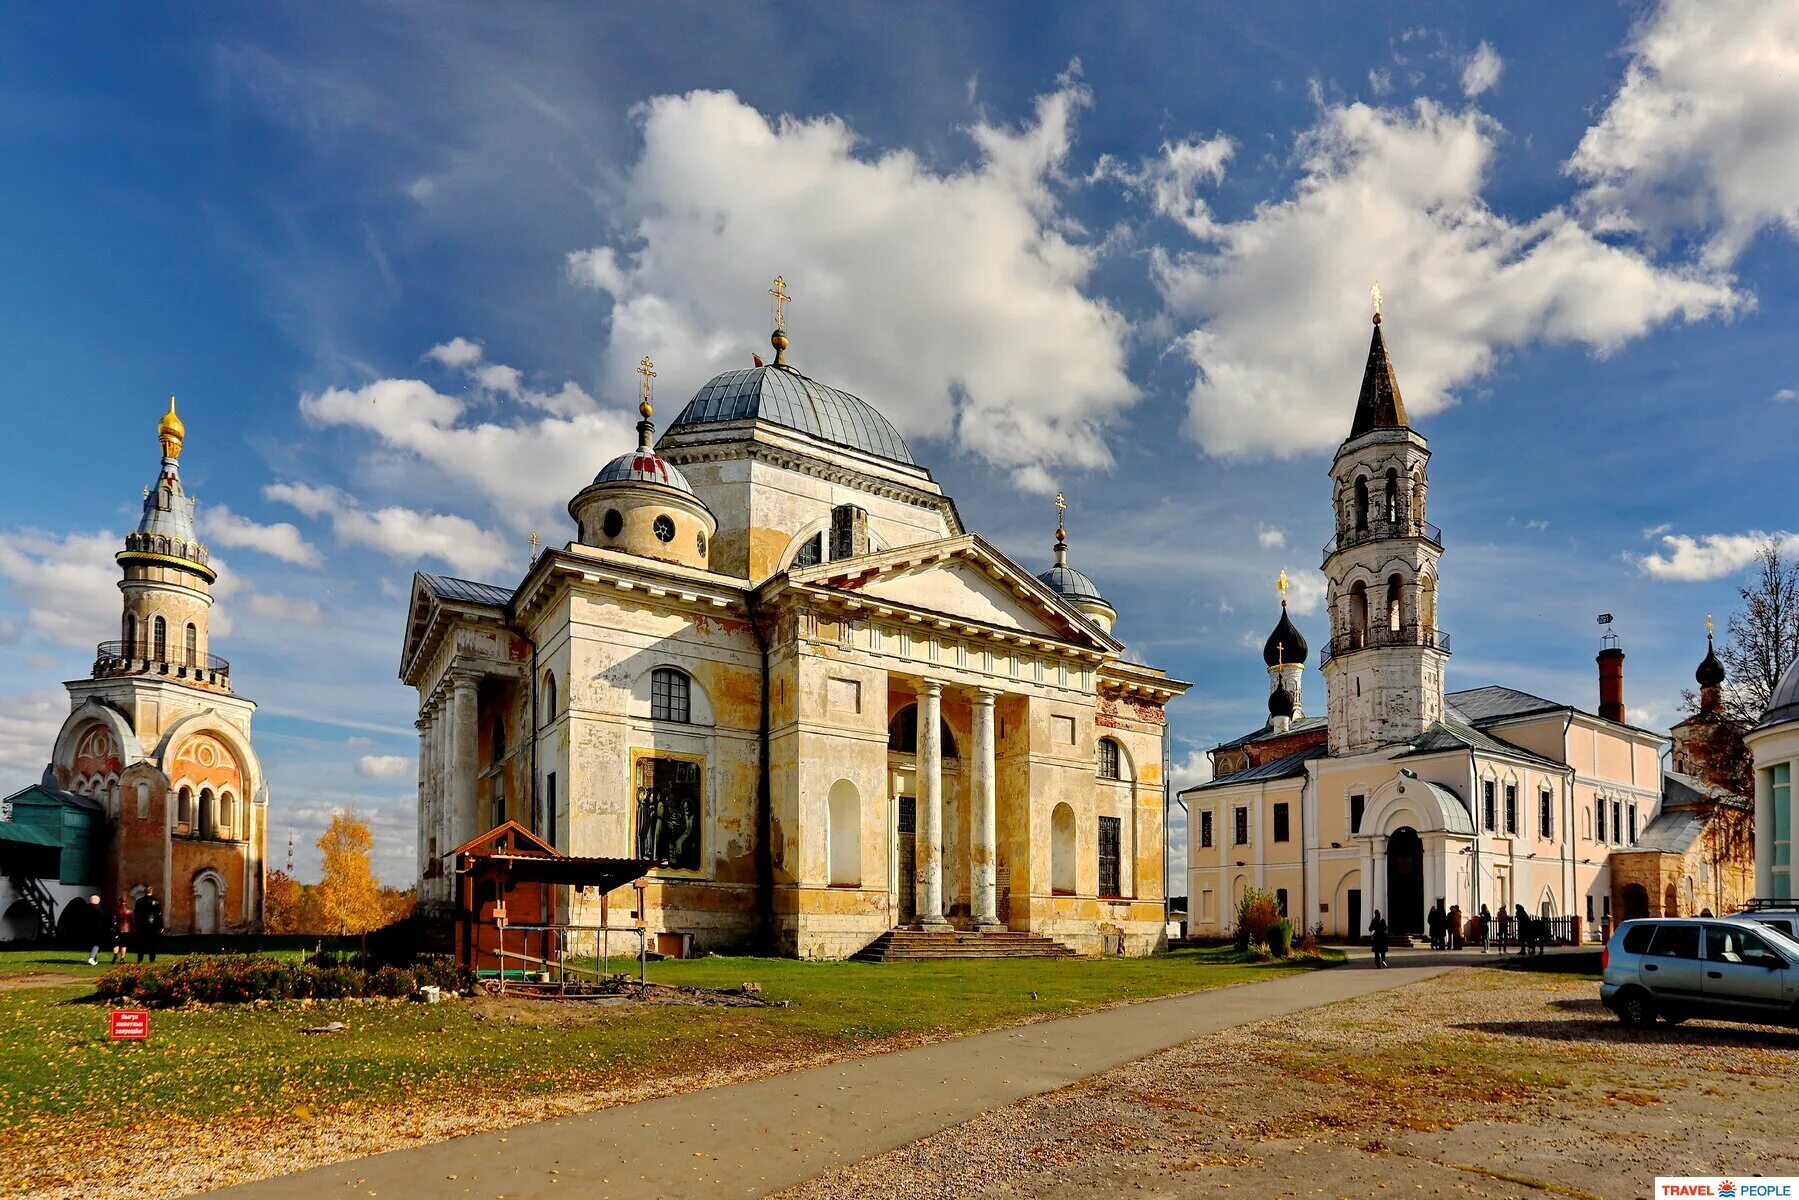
<point x="1611" y="684"/>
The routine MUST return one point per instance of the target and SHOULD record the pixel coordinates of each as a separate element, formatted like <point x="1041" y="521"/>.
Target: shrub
<point x="1256" y="913"/>
<point x="1280" y="938"/>
<point x="241" y="978"/>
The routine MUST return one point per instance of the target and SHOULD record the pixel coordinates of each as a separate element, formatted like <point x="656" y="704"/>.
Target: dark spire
<point x="1711" y="672"/>
<point x="1380" y="405"/>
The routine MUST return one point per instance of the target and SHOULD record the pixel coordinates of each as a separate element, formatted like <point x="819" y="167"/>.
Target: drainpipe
<point x="1168" y="797"/>
<point x="765" y="854"/>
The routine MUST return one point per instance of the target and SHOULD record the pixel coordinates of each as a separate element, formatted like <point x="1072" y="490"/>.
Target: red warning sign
<point x="128" y="1024"/>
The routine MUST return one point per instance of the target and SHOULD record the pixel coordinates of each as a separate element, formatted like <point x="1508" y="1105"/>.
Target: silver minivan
<point x="1727" y="969"/>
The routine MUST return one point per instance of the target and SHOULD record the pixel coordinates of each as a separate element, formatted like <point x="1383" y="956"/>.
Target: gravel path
<point x="1477" y="1083"/>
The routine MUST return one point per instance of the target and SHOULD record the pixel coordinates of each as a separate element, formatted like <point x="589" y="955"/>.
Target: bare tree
<point x="1763" y="637"/>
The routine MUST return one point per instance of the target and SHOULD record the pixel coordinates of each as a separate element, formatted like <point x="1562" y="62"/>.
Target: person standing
<point x="1436" y="923"/>
<point x="146" y="924"/>
<point x="1486" y="928"/>
<point x="1455" y="927"/>
<point x="1524" y="931"/>
<point x="121" y="929"/>
<point x="1377" y="939"/>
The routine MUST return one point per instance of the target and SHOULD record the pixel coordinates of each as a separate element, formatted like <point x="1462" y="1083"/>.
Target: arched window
<point x="671" y="696"/>
<point x="193" y="645"/>
<point x="902" y="733"/>
<point x="1418" y="501"/>
<point x="1361" y="504"/>
<point x="209" y="814"/>
<point x="1108" y="759"/>
<point x="549" y="696"/>
<point x="1427" y="605"/>
<point x="1061" y="850"/>
<point x="184" y="807"/>
<point x="843" y="818"/>
<point x="131" y="635"/>
<point x="161" y="636"/>
<point x="227" y="816"/>
<point x="811" y="553"/>
<point x="1358" y="615"/>
<point x="1393" y="613"/>
<point x="1392" y="505"/>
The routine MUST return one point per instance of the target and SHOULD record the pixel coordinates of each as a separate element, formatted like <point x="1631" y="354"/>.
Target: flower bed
<point x="242" y="978"/>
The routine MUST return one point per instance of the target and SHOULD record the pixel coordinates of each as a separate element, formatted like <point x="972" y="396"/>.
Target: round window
<point x="613" y="524"/>
<point x="700" y="540"/>
<point x="665" y="529"/>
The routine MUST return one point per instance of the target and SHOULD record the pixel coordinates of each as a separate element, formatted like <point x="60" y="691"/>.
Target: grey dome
<point x="782" y="396"/>
<point x="1783" y="704"/>
<point x="1072" y="585"/>
<point x="1280" y="701"/>
<point x="642" y="467"/>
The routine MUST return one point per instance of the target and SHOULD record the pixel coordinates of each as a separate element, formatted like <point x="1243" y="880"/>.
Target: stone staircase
<point x="907" y="944"/>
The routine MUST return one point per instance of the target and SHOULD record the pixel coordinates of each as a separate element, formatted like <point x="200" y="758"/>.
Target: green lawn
<point x="57" y="1069"/>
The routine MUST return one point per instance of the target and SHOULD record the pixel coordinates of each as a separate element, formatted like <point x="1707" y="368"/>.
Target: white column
<point x="930" y="804"/>
<point x="463" y="820"/>
<point x="1366" y="885"/>
<point x="984" y="892"/>
<point x="1377" y="887"/>
<point x="424" y="778"/>
<point x="1764" y="832"/>
<point x="434" y="746"/>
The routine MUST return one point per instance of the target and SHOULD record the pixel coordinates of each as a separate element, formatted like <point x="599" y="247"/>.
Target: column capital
<point x="463" y="677"/>
<point x="929" y="687"/>
<point x="422" y="724"/>
<point x="985" y="696"/>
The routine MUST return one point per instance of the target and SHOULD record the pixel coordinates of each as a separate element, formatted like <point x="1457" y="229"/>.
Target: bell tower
<point x="1384" y="665"/>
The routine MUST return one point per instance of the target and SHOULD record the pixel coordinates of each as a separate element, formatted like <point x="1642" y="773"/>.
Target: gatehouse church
<point x="152" y="782"/>
<point x="1401" y="793"/>
<point x="773" y="660"/>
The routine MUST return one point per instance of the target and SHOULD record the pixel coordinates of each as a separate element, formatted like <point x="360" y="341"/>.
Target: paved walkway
<point x="749" y="1139"/>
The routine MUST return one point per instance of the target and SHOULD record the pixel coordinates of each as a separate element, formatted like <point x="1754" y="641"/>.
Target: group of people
<point x="132" y="928"/>
<point x="1450" y="930"/>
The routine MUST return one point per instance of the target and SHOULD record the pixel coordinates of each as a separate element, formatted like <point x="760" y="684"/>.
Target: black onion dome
<point x="1711" y="671"/>
<point x="1280" y="702"/>
<point x="1286" y="645"/>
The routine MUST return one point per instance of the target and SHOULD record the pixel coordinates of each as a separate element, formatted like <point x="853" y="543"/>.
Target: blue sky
<point x="398" y="261"/>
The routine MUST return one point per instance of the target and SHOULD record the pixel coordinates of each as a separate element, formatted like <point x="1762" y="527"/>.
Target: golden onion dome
<point x="171" y="432"/>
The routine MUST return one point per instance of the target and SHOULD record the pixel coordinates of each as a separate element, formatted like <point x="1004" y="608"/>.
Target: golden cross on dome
<point x="534" y="545"/>
<point x="1379" y="299"/>
<point x="1281" y="585"/>
<point x="1708" y="625"/>
<point x="1061" y="507"/>
<point x="647" y="369"/>
<point x="779" y="292"/>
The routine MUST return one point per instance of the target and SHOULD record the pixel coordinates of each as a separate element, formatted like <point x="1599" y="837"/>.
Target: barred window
<point x="1108" y="759"/>
<point x="670" y="696"/>
<point x="1489" y="817"/>
<point x="1511" y="808"/>
<point x="1205" y="829"/>
<point x="1546" y="814"/>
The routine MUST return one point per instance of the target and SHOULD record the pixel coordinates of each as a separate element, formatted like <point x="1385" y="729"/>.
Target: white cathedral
<point x="1401" y="794"/>
<point x="774" y="661"/>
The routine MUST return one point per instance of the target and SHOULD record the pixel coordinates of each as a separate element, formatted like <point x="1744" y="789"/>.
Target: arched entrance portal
<point x="1405" y="881"/>
<point x="1636" y="902"/>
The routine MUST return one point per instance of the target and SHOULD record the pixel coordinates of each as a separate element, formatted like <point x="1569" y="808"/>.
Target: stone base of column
<point x="991" y="927"/>
<point x="933" y="923"/>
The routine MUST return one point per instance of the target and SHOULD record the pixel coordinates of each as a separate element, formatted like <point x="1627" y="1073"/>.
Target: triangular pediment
<point x="961" y="579"/>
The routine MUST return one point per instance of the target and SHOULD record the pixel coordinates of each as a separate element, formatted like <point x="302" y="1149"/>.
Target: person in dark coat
<point x="1455" y="927"/>
<point x="1437" y="923"/>
<point x="87" y="925"/>
<point x="1377" y="930"/>
<point x="1486" y="928"/>
<point x="146" y="924"/>
<point x="121" y="929"/>
<point x="1524" y="931"/>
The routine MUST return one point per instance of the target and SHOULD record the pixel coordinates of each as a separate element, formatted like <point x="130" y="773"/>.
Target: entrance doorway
<point x="1405" y="881"/>
<point x="1636" y="902"/>
<point x="905" y="840"/>
<point x="1353" y="906"/>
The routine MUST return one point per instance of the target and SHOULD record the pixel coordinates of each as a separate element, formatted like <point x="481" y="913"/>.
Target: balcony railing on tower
<point x="1384" y="635"/>
<point x="140" y="658"/>
<point x="1377" y="529"/>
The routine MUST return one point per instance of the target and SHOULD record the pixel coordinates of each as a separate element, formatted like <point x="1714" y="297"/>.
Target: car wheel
<point x="1634" y="1008"/>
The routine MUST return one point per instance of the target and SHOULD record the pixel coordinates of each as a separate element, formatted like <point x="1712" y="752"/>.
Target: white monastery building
<point x="1401" y="794"/>
<point x="773" y="660"/>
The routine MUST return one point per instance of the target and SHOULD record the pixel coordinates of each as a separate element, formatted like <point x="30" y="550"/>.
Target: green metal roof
<point x="28" y="835"/>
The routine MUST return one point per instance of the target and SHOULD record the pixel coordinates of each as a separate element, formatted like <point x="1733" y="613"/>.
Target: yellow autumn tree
<point x="348" y="898"/>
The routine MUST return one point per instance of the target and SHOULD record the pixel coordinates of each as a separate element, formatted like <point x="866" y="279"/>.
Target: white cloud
<point x="384" y="766"/>
<point x="499" y="377"/>
<point x="222" y="527"/>
<point x="904" y="278"/>
<point x="1785" y="394"/>
<point x="68" y="584"/>
<point x="1394" y="195"/>
<point x="1270" y="537"/>
<point x="287" y="610"/>
<point x="1703" y="133"/>
<point x="1380" y="81"/>
<point x="1713" y="556"/>
<point x="401" y="533"/>
<point x="1305" y="591"/>
<point x="1190" y="771"/>
<point x="458" y="352"/>
<point x="1172" y="182"/>
<point x="1482" y="72"/>
<point x="28" y="727"/>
